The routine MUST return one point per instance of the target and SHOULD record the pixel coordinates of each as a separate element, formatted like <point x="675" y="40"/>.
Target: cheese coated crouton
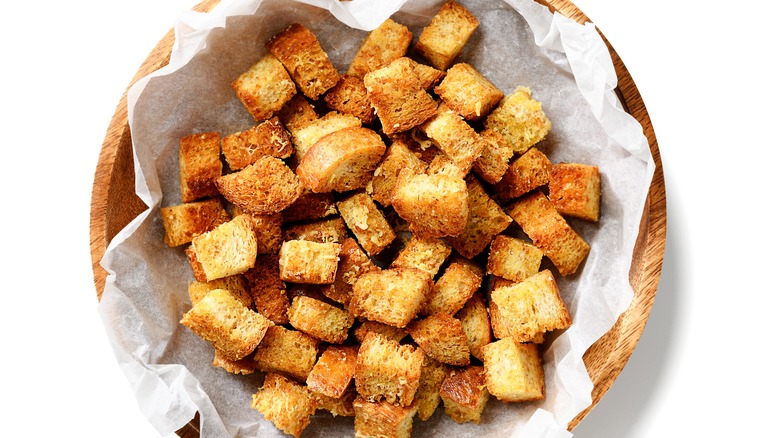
<point x="456" y="285"/>
<point x="434" y="205"/>
<point x="391" y="296"/>
<point x="466" y="91"/>
<point x="367" y="222"/>
<point x="287" y="352"/>
<point x="267" y="186"/>
<point x="228" y="249"/>
<point x="199" y="166"/>
<point x="333" y="371"/>
<point x="264" y="88"/>
<point x="388" y="42"/>
<point x="267" y="290"/>
<point x="226" y="324"/>
<point x="441" y="337"/>
<point x="302" y="261"/>
<point x="476" y="323"/>
<point x="320" y="320"/>
<point x="513" y="371"/>
<point x="387" y="370"/>
<point x="185" y="221"/>
<point x="531" y="170"/>
<point x="513" y="259"/>
<point x="425" y="254"/>
<point x="442" y="40"/>
<point x="285" y="403"/>
<point x="575" y="190"/>
<point x="328" y="230"/>
<point x="234" y="284"/>
<point x="267" y="138"/>
<point x="494" y="161"/>
<point x="455" y="137"/>
<point x="353" y="263"/>
<point x="464" y="394"/>
<point x="349" y="96"/>
<point x="428" y="398"/>
<point x="382" y="419"/>
<point x="397" y="157"/>
<point x="520" y="119"/>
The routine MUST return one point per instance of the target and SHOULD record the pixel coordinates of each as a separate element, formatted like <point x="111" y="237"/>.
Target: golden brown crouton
<point x="267" y="186"/>
<point x="320" y="320"/>
<point x="387" y="370"/>
<point x="367" y="222"/>
<point x="494" y="161"/>
<point x="197" y="267"/>
<point x="301" y="54"/>
<point x="267" y="290"/>
<point x="297" y="113"/>
<point x="288" y="352"/>
<point x="267" y="138"/>
<point x="575" y="190"/>
<point x="428" y="398"/>
<point x="513" y="259"/>
<point x="310" y="206"/>
<point x="529" y="171"/>
<point x="268" y="230"/>
<point x="513" y="371"/>
<point x="398" y="96"/>
<point x="434" y="205"/>
<point x="349" y="96"/>
<point x="228" y="249"/>
<point x="532" y="307"/>
<point x="500" y="330"/>
<point x="242" y="366"/>
<point x="234" y="284"/>
<point x="476" y="323"/>
<point x="550" y="232"/>
<point x="441" y="337"/>
<point x="392" y="296"/>
<point x="302" y="261"/>
<point x="304" y="137"/>
<point x="382" y="419"/>
<point x="285" y="403"/>
<point x="264" y="88"/>
<point x="333" y="371"/>
<point x="520" y="120"/>
<point x="456" y="285"/>
<point x="199" y="166"/>
<point x="425" y="254"/>
<point x="382" y="45"/>
<point x="397" y="157"/>
<point x="353" y="263"/>
<point x="328" y="230"/>
<point x="341" y="406"/>
<point x="385" y="330"/>
<point x="466" y="91"/>
<point x="442" y="40"/>
<point x="455" y="137"/>
<point x="226" y="324"/>
<point x="185" y="221"/>
<point x="341" y="161"/>
<point x="464" y="394"/>
<point x="429" y="76"/>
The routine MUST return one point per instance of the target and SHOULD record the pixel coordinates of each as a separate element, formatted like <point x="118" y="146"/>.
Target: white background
<point x="707" y="72"/>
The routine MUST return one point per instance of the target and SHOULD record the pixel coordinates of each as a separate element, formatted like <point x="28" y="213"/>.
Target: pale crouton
<point x="302" y="261"/>
<point x="333" y="371"/>
<point x="349" y="96"/>
<point x="353" y="263"/>
<point x="529" y="171"/>
<point x="476" y="323"/>
<point x="327" y="230"/>
<point x="245" y="147"/>
<point x="441" y="337"/>
<point x="382" y="419"/>
<point x="285" y="403"/>
<point x="391" y="296"/>
<point x="234" y="284"/>
<point x="494" y="161"/>
<point x="301" y="54"/>
<point x="227" y="324"/>
<point x="513" y="371"/>
<point x="501" y="329"/>
<point x="320" y="320"/>
<point x="185" y="221"/>
<point x="287" y="352"/>
<point x="304" y="137"/>
<point x="267" y="290"/>
<point x="434" y="205"/>
<point x="382" y="45"/>
<point x="442" y="40"/>
<point x="387" y="370"/>
<point x="456" y="285"/>
<point x="199" y="166"/>
<point x="264" y="88"/>
<point x="367" y="222"/>
<point x="341" y="407"/>
<point x="428" y="398"/>
<point x="550" y="232"/>
<point x="385" y="330"/>
<point x="575" y="190"/>
<point x="228" y="249"/>
<point x="242" y="366"/>
<point x="297" y="113"/>
<point x="397" y="157"/>
<point x="513" y="259"/>
<point x="520" y="120"/>
<point x="341" y="161"/>
<point x="455" y="137"/>
<point x="466" y="91"/>
<point x="310" y="206"/>
<point x="267" y="186"/>
<point x="464" y="394"/>
<point x="425" y="254"/>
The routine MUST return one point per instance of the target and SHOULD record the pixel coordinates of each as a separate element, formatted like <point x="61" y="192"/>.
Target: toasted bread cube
<point x="532" y="307"/>
<point x="575" y="190"/>
<point x="466" y="91"/>
<point x="455" y="137"/>
<point x="464" y="394"/>
<point x="398" y="96"/>
<point x="234" y="284"/>
<point x="320" y="320"/>
<point x="185" y="221"/>
<point x="328" y="230"/>
<point x="388" y="331"/>
<point x="333" y="371"/>
<point x="264" y="88"/>
<point x="268" y="230"/>
<point x="297" y="113"/>
<point x="397" y="157"/>
<point x="304" y="137"/>
<point x="341" y="407"/>
<point x="242" y="366"/>
<point x="441" y="337"/>
<point x="520" y="120"/>
<point x="341" y="161"/>
<point x="425" y="254"/>
<point x="267" y="289"/>
<point x="456" y="285"/>
<point x="442" y="40"/>
<point x="267" y="186"/>
<point x="494" y="161"/>
<point x="382" y="419"/>
<point x="513" y="259"/>
<point x="434" y="205"/>
<point x="302" y="261"/>
<point x="428" y="398"/>
<point x="388" y="42"/>
<point x="226" y="324"/>
<point x="528" y="172"/>
<point x="367" y="222"/>
<point x="267" y="138"/>
<point x="387" y="370"/>
<point x="353" y="263"/>
<point x="550" y="232"/>
<point x="513" y="371"/>
<point x="199" y="166"/>
<point x="500" y="330"/>
<point x="287" y="404"/>
<point x="310" y="206"/>
<point x="429" y="76"/>
<point x="301" y="54"/>
<point x="476" y="323"/>
<point x="391" y="296"/>
<point x="197" y="267"/>
<point x="349" y="96"/>
<point x="486" y="219"/>
<point x="228" y="249"/>
<point x="287" y="352"/>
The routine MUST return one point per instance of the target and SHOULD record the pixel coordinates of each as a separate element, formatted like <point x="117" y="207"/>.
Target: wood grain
<point x="114" y="205"/>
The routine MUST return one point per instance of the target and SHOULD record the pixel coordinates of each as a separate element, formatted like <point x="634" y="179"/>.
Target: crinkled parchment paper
<point x="518" y="43"/>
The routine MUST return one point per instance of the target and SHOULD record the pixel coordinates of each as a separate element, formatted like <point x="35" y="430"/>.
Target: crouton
<point x="441" y="337"/>
<point x="494" y="161"/>
<point x="464" y="394"/>
<point x="455" y="137"/>
<point x="245" y="147"/>
<point x="382" y="419"/>
<point x="500" y="329"/>
<point x="513" y="371"/>
<point x="434" y="205"/>
<point x="341" y="407"/>
<point x="349" y="96"/>
<point x="550" y="232"/>
<point x="297" y="113"/>
<point x="367" y="222"/>
<point x="443" y="39"/>
<point x="397" y="157"/>
<point x="285" y="403"/>
<point x="575" y="190"/>
<point x="391" y="296"/>
<point x="532" y="307"/>
<point x="226" y="324"/>
<point x="428" y="398"/>
<point x="197" y="267"/>
<point x="234" y="284"/>
<point x="520" y="120"/>
<point x="456" y="285"/>
<point x="302" y="261"/>
<point x="388" y="331"/>
<point x="398" y="97"/>
<point x="353" y="263"/>
<point x="513" y="258"/>
<point x="305" y="136"/>
<point x="268" y="230"/>
<point x="267" y="186"/>
<point x="388" y="42"/>
<point x="301" y="54"/>
<point x="341" y="161"/>
<point x="334" y="371"/>
<point x="429" y="76"/>
<point x="476" y="323"/>
<point x="320" y="320"/>
<point x="264" y="88"/>
<point x="387" y="370"/>
<point x="287" y="352"/>
<point x="267" y="290"/>
<point x="327" y="230"/>
<point x="310" y="206"/>
<point x="425" y="254"/>
<point x="228" y="249"/>
<point x="242" y="366"/>
<point x="185" y="221"/>
<point x="199" y="166"/>
<point x="466" y="91"/>
<point x="528" y="172"/>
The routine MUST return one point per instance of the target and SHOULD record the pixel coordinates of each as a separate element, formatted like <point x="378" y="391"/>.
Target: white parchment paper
<point x="518" y="43"/>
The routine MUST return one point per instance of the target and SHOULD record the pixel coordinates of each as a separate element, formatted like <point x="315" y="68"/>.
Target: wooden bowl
<point x="115" y="204"/>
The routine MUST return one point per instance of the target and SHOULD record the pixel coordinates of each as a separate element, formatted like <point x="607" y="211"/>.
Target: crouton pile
<point x="374" y="245"/>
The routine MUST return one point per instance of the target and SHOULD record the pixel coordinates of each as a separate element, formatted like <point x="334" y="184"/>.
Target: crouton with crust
<point x="334" y="371"/>
<point x="367" y="222"/>
<point x="513" y="259"/>
<point x="388" y="42"/>
<point x="520" y="120"/>
<point x="286" y="403"/>
<point x="392" y="296"/>
<point x="266" y="138"/>
<point x="185" y="221"/>
<point x="287" y="352"/>
<point x="575" y="190"/>
<point x="321" y="320"/>
<point x="464" y="394"/>
<point x="513" y="371"/>
<point x="466" y="91"/>
<point x="445" y="36"/>
<point x="267" y="186"/>
<point x="264" y="88"/>
<point x="387" y="370"/>
<point x="382" y="419"/>
<point x="199" y="166"/>
<point x="228" y="249"/>
<point x="528" y="172"/>
<point x="441" y="337"/>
